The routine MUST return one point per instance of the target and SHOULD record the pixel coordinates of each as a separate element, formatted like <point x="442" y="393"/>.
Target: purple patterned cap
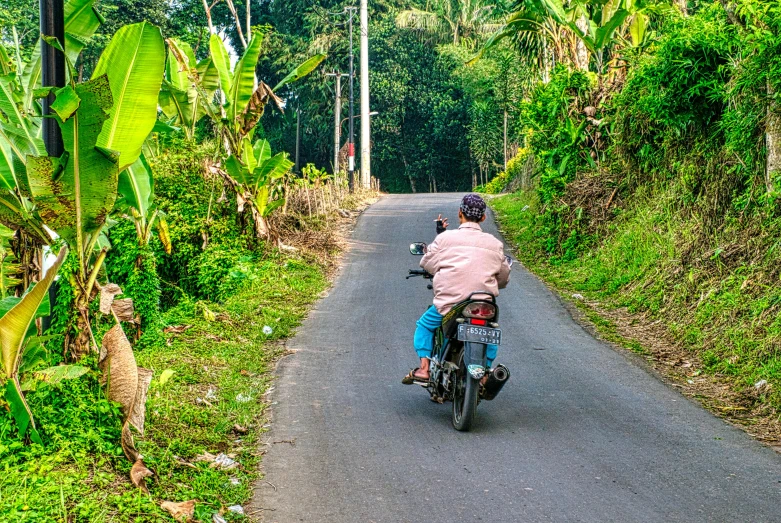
<point x="473" y="207"/>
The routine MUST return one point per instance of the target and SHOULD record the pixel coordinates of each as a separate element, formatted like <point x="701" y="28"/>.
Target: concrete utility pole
<point x="337" y="119"/>
<point x="366" y="140"/>
<point x="351" y="142"/>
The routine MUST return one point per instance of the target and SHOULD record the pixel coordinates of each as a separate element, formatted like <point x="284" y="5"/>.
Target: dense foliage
<point x="655" y="180"/>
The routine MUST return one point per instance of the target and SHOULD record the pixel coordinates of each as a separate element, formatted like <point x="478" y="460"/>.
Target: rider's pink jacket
<point x="464" y="261"/>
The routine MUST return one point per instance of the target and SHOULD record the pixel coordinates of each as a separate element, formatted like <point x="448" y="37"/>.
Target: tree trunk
<point x="581" y="53"/>
<point x="505" y="139"/>
<point x="409" y="175"/>
<point x="772" y="139"/>
<point x="683" y="6"/>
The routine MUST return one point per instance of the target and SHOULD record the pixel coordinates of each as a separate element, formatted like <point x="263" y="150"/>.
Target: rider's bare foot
<point x="421" y="374"/>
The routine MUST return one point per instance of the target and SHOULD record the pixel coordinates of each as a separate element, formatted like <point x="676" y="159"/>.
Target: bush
<point x="674" y="96"/>
<point x="505" y="179"/>
<point x="199" y="214"/>
<point x="134" y="268"/>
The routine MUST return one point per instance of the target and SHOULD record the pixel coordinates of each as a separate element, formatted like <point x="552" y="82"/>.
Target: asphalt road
<point x="580" y="433"/>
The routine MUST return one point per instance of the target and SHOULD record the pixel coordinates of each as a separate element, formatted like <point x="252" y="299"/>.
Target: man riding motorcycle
<point x="461" y="262"/>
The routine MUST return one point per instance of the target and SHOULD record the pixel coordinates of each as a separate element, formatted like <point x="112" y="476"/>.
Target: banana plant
<point x="136" y="201"/>
<point x="104" y="123"/>
<point x="16" y="328"/>
<point x="20" y="132"/>
<point x="244" y="96"/>
<point x="255" y="173"/>
<point x="134" y="62"/>
<point x="189" y="86"/>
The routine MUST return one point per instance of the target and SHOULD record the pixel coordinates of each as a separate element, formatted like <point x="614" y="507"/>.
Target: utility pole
<point x="52" y="23"/>
<point x="365" y="117"/>
<point x="337" y="119"/>
<point x="298" y="137"/>
<point x="351" y="142"/>
<point x="52" y="69"/>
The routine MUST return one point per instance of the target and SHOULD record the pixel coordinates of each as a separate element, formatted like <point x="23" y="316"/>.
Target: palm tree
<point x="463" y="21"/>
<point x="573" y="31"/>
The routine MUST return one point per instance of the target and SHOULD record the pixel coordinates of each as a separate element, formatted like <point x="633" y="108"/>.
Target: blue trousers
<point x="424" y="335"/>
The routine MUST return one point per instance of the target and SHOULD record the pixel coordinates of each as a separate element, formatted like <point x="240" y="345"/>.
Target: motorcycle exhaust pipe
<point x="496" y="380"/>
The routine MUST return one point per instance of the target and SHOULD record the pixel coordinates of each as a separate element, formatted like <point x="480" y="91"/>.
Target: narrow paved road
<point x="580" y="433"/>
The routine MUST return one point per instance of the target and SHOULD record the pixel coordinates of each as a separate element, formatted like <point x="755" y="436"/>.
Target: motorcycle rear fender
<point x="475" y="358"/>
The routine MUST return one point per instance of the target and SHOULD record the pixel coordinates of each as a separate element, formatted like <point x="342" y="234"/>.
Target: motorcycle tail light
<point x="480" y="310"/>
<point x="475" y="321"/>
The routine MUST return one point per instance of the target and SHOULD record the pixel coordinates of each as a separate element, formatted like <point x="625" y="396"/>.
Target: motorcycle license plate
<point x="478" y="334"/>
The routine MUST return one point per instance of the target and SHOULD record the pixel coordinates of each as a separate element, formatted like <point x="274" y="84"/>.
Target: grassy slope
<point x="719" y="300"/>
<point x="224" y="351"/>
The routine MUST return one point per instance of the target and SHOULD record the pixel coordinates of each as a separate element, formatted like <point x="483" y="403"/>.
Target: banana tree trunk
<point x="772" y="139"/>
<point x="581" y="53"/>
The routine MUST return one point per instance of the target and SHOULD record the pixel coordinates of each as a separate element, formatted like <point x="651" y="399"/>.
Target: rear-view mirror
<point x="417" y="248"/>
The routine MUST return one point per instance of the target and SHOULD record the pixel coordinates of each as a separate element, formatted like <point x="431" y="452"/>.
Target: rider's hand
<point x="441" y="223"/>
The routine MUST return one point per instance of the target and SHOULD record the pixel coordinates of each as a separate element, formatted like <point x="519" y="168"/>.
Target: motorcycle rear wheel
<point x="465" y="398"/>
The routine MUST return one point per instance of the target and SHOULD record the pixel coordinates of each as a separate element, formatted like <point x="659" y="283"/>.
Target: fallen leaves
<point x="180" y="511"/>
<point x="176" y="329"/>
<point x="107" y="293"/>
<point x="138" y="474"/>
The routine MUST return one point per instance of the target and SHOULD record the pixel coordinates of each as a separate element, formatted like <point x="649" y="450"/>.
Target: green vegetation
<point x="640" y="142"/>
<point x="654" y="180"/>
<point x="220" y="358"/>
<point x="183" y="251"/>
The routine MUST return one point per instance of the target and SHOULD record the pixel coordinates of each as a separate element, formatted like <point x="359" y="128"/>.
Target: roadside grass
<point x="221" y="362"/>
<point x="718" y="297"/>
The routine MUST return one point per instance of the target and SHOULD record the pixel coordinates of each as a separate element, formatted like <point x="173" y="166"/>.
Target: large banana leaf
<point x="178" y="97"/>
<point x="75" y="194"/>
<point x="243" y="84"/>
<point x="14" y="326"/>
<point x="222" y="62"/>
<point x="262" y="151"/>
<point x="81" y="22"/>
<point x="7" y="171"/>
<point x="209" y="75"/>
<point x="18" y="130"/>
<point x="301" y="71"/>
<point x="134" y="62"/>
<point x="272" y="169"/>
<point x="239" y="172"/>
<point x="247" y="154"/>
<point x="7" y="65"/>
<point x="9" y="271"/>
<point x="177" y="67"/>
<point x="136" y="187"/>
<point x="604" y="34"/>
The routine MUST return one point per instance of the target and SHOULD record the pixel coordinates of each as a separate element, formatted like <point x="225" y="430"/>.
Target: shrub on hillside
<point x="515" y="170"/>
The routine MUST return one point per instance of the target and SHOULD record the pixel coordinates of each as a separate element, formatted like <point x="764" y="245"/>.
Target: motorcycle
<point x="458" y="360"/>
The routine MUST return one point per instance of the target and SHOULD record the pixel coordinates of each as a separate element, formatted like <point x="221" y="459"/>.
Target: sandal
<point x="410" y="378"/>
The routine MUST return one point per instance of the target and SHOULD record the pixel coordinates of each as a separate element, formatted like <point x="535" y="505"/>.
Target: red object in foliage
<point x="350" y="149"/>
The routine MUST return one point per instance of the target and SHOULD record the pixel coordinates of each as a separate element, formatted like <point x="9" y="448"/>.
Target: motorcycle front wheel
<point x="464" y="398"/>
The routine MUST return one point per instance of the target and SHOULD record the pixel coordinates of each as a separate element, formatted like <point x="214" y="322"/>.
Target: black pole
<point x="52" y="69"/>
<point x="351" y="146"/>
<point x="52" y="18"/>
